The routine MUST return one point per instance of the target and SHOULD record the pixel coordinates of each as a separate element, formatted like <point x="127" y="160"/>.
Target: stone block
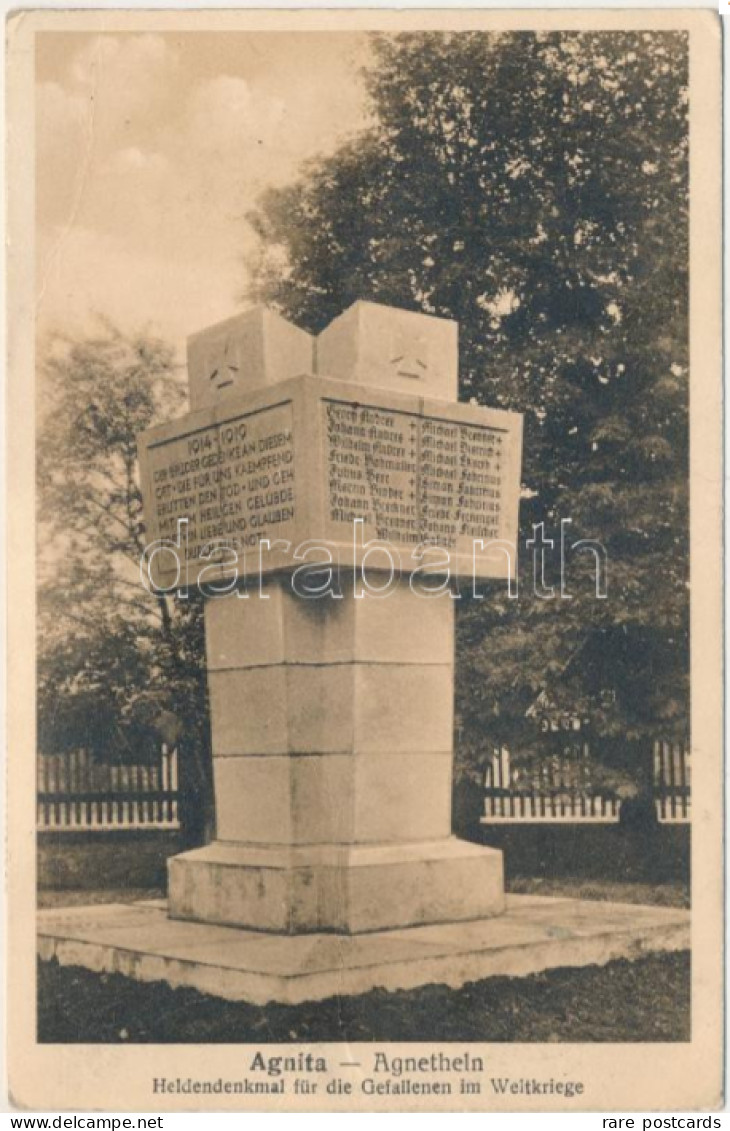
<point x="398" y="628"/>
<point x="245" y="631"/>
<point x="349" y="890"/>
<point x="248" y="711"/>
<point x="320" y="631"/>
<point x="332" y="709"/>
<point x="283" y="709"/>
<point x="333" y="798"/>
<point x="322" y="799"/>
<point x="404" y="707"/>
<point x="283" y="800"/>
<point x="398" y="798"/>
<point x="404" y="628"/>
<point x="216" y="885"/>
<point x="253" y="799"/>
<point x="243" y="353"/>
<point x="443" y="882"/>
<point x="320" y="708"/>
<point x="383" y="347"/>
<point x="272" y="625"/>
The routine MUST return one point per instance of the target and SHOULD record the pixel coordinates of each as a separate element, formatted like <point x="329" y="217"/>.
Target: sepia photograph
<point x="367" y="710"/>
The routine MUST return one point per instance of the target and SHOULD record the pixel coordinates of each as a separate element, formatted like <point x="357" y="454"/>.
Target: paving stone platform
<point x="536" y="933"/>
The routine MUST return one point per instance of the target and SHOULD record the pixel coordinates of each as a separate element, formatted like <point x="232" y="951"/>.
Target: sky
<point x="151" y="149"/>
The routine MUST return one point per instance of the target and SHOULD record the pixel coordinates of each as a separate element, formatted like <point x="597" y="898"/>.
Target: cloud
<point x="119" y="83"/>
<point x="63" y="141"/>
<point x="134" y="160"/>
<point x="150" y="152"/>
<point x="136" y="58"/>
<point x="59" y="112"/>
<point x="103" y="100"/>
<point x="225" y="113"/>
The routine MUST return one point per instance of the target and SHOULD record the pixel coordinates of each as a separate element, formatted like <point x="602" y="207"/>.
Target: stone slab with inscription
<point x="256" y="476"/>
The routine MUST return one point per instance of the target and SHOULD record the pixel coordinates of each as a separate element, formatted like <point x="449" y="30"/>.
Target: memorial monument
<point x="332" y="706"/>
<point x="331" y="498"/>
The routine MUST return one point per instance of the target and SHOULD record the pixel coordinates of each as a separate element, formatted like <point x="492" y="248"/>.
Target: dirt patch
<point x="644" y="1000"/>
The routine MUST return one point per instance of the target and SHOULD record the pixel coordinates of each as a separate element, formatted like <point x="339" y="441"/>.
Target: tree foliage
<point x="120" y="670"/>
<point x="534" y="188"/>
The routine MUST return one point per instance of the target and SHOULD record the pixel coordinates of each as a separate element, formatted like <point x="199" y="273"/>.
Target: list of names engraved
<point x="414" y="478"/>
<point x="233" y="482"/>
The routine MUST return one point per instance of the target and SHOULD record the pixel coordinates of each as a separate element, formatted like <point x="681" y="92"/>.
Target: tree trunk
<point x="638" y="814"/>
<point x="196" y="804"/>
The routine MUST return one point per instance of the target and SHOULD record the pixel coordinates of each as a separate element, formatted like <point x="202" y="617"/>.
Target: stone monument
<point x="332" y="712"/>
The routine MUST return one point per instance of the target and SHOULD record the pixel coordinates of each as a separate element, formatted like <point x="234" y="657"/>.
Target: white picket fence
<point x="559" y="788"/>
<point x="76" y="793"/>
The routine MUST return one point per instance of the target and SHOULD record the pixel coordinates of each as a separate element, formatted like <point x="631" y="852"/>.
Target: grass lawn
<point x="668" y="894"/>
<point x="97" y="895"/>
<point x="643" y="1000"/>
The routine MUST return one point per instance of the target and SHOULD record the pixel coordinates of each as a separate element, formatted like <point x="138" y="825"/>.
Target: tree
<point x="120" y="670"/>
<point x="534" y="187"/>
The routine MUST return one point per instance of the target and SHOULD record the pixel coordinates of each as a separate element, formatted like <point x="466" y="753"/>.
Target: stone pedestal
<point x="332" y="724"/>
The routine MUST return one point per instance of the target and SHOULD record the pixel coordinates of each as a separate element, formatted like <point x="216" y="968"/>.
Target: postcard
<point x="364" y="561"/>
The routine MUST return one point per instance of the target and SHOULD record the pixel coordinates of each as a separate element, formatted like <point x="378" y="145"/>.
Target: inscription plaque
<point x="413" y="478"/>
<point x="232" y="481"/>
<point x="307" y="461"/>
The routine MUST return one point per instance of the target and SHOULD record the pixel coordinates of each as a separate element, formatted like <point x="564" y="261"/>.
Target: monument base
<point x="348" y="889"/>
<point x="535" y="933"/>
